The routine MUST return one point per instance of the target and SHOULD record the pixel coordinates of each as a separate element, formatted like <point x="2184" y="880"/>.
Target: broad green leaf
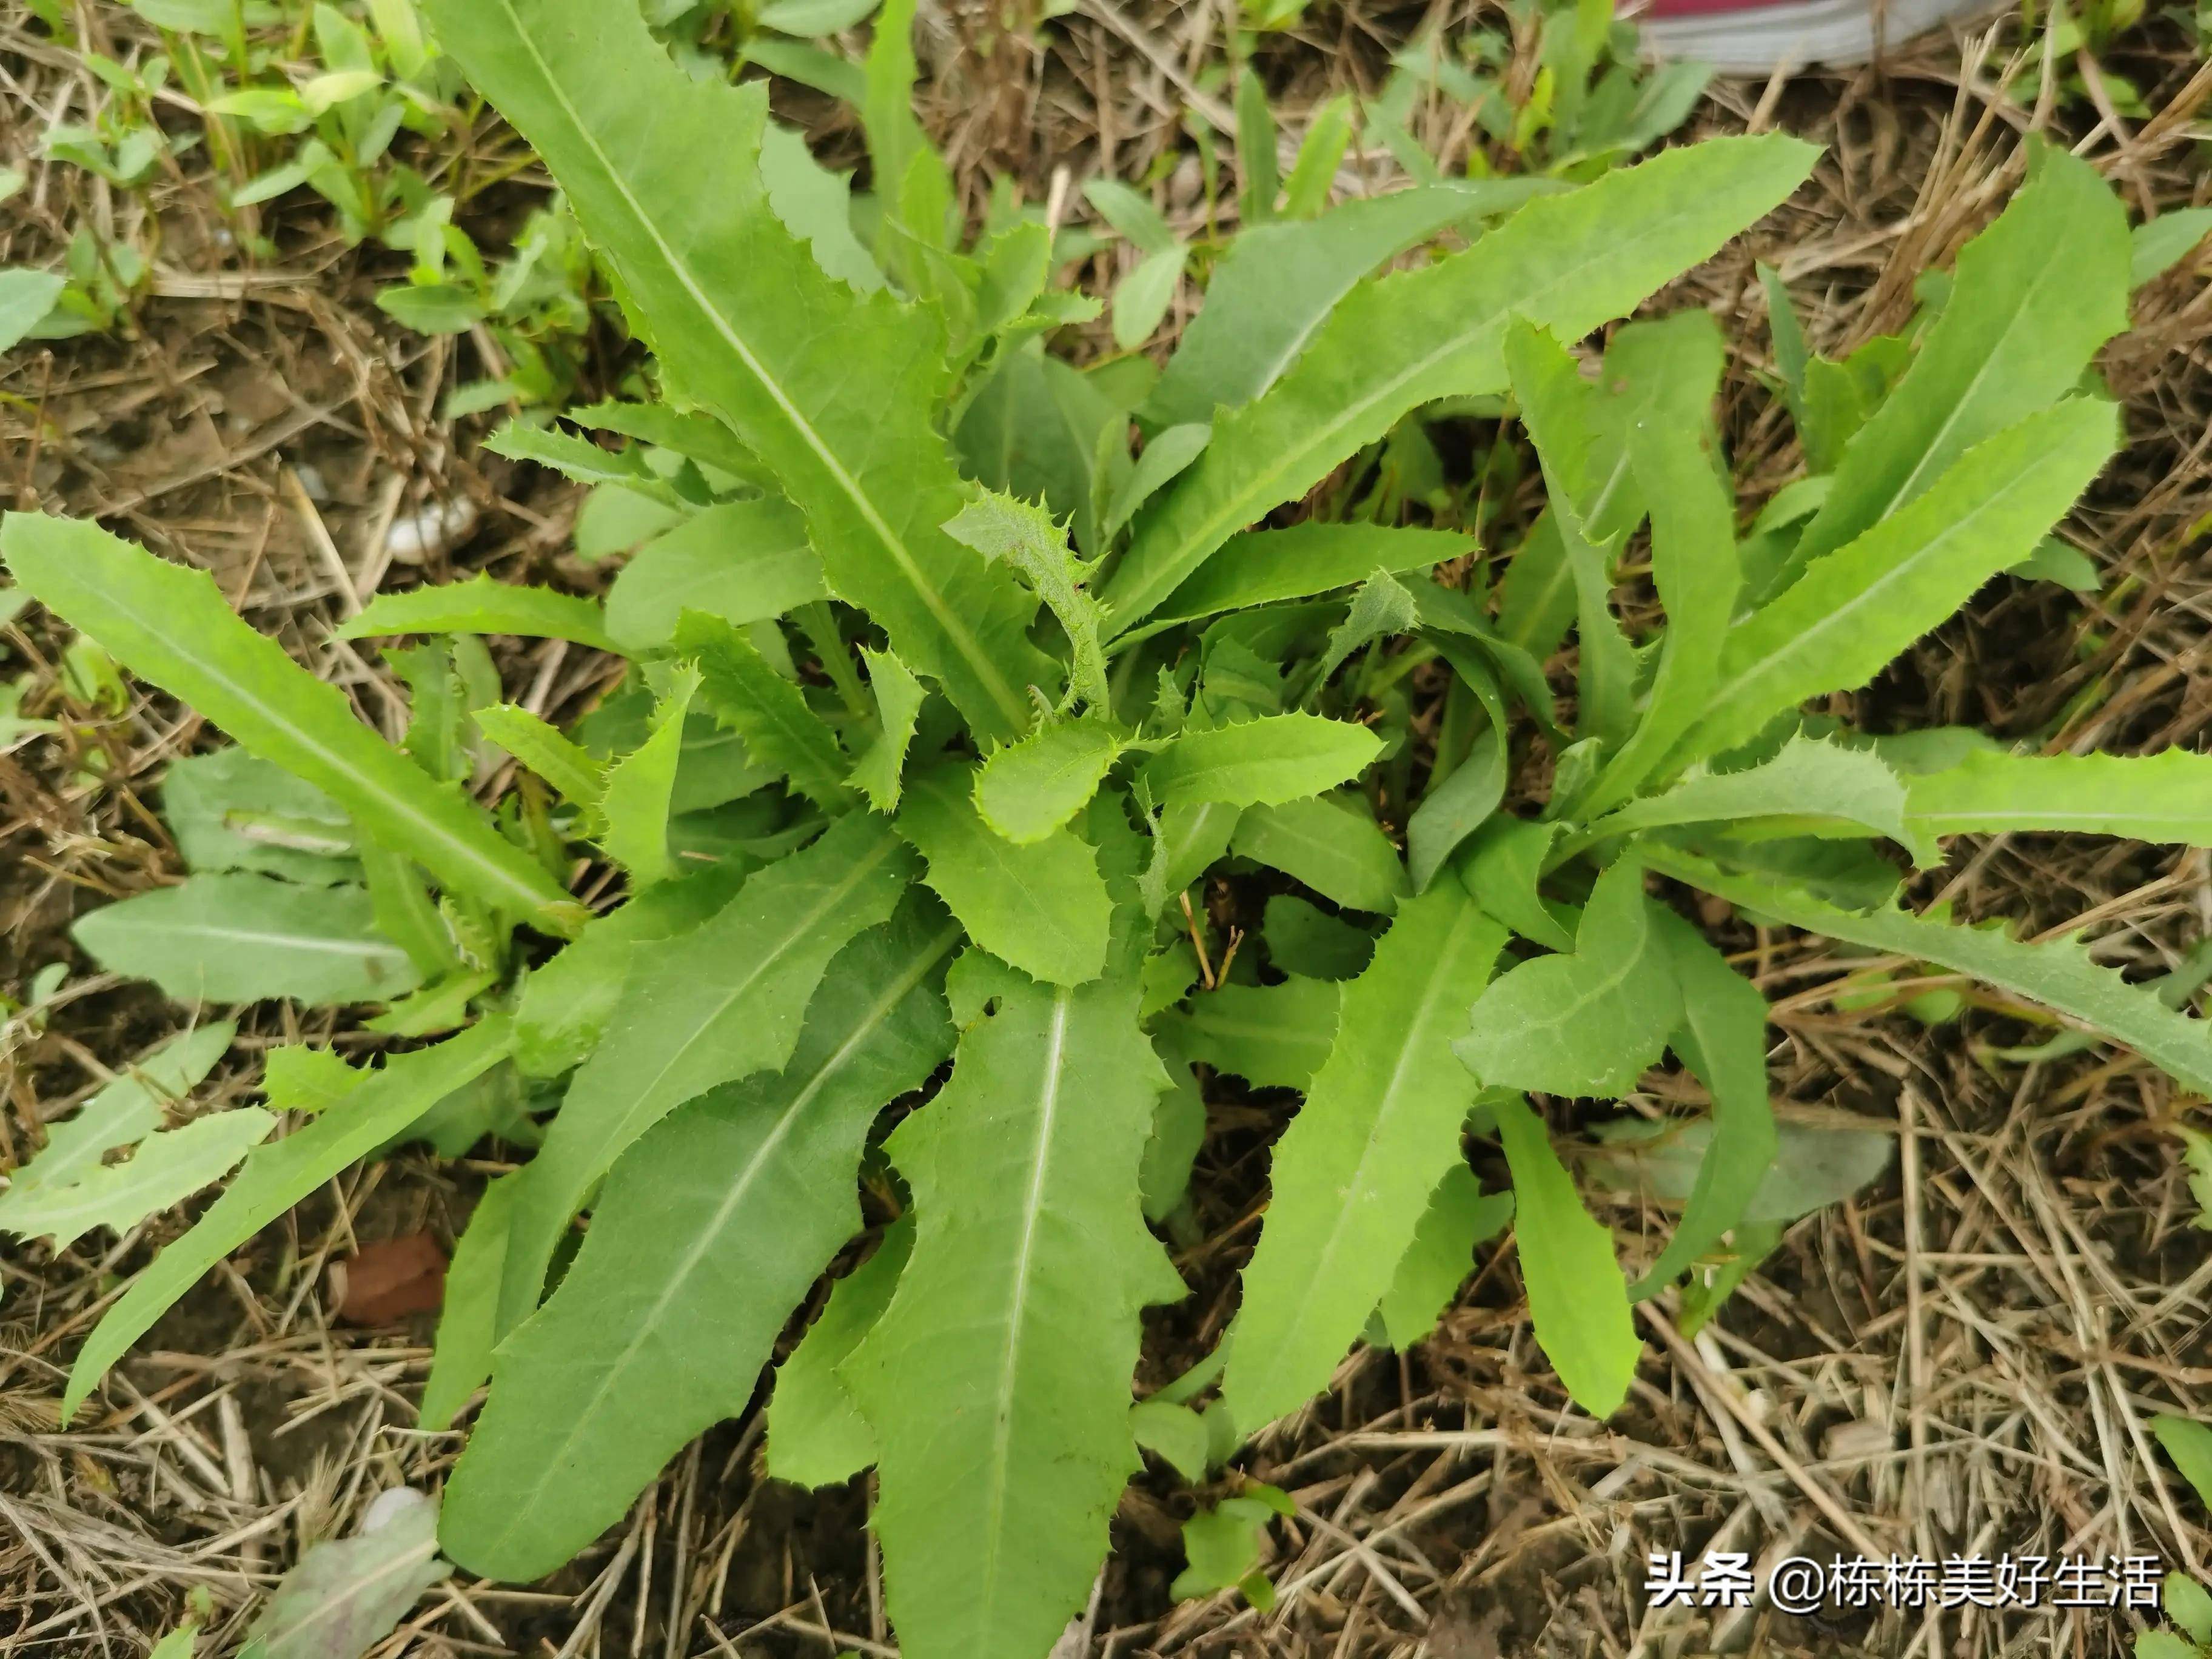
<point x="744" y="562"/>
<point x="2189" y="1604"/>
<point x="744" y="692"/>
<point x="1277" y="283"/>
<point x="1460" y="1217"/>
<point x="2055" y="973"/>
<point x="705" y="1007"/>
<point x="228" y="810"/>
<point x="1274" y="1037"/>
<point x="2189" y="1443"/>
<point x="165" y="1168"/>
<point x="278" y="1174"/>
<point x="462" y="1360"/>
<point x="345" y="1595"/>
<point x="1812" y="1166"/>
<point x="1854" y="610"/>
<point x="1723" y="1039"/>
<point x="1142" y="298"/>
<point x="1330" y="843"/>
<point x="633" y="807"/>
<point x="1668" y="372"/>
<point x="2017" y="333"/>
<point x="1223" y="1545"/>
<point x="26" y="298"/>
<point x="1503" y="871"/>
<point x="244" y="938"/>
<point x="579" y="775"/>
<point x="1164" y="458"/>
<point x="1178" y="1135"/>
<point x="1353" y="1172"/>
<point x="835" y="391"/>
<point x="898" y="703"/>
<point x="997" y="1383"/>
<point x="2154" y="248"/>
<point x="1261" y="762"/>
<point x="1587" y="1023"/>
<point x="1262" y="567"/>
<point x="2165" y="797"/>
<point x="816" y="1435"/>
<point x="1577" y="1299"/>
<point x="1036" y="429"/>
<point x="1189" y="839"/>
<point x="567" y="1001"/>
<point x="1176" y="1434"/>
<point x="1455" y="809"/>
<point x="1568" y="263"/>
<point x="172" y="627"/>
<point x="1041" y="907"/>
<point x="1812" y="787"/>
<point x="124" y="1112"/>
<point x="814" y="204"/>
<point x="1036" y="784"/>
<point x="1024" y="537"/>
<point x="709" y="1231"/>
<point x="481" y="605"/>
<point x="1306" y="942"/>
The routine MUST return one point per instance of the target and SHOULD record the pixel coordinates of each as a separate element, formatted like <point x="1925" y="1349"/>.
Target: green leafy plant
<point x="941" y="702"/>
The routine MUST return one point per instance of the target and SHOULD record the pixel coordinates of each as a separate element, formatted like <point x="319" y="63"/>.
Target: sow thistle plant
<point x="941" y="705"/>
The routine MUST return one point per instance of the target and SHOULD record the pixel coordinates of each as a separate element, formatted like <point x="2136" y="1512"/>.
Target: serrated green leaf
<point x="2057" y="973"/>
<point x="835" y="391"/>
<point x="1584" y="1023"/>
<point x="744" y="562"/>
<point x="1188" y="839"/>
<point x="816" y="1435"/>
<point x="1723" y="1040"/>
<point x="1277" y="283"/>
<point x="1353" y="1172"/>
<point x="278" y="1174"/>
<point x="997" y="1383"/>
<point x="1274" y="1037"/>
<point x="462" y="1358"/>
<point x="1024" y="537"/>
<point x="124" y="1113"/>
<point x="1263" y="566"/>
<point x="1330" y="843"/>
<point x="481" y="605"/>
<point x="709" y="1231"/>
<point x="1577" y="1299"/>
<point x="898" y="703"/>
<point x="815" y="203"/>
<point x="745" y="693"/>
<point x="2165" y="797"/>
<point x="1261" y="762"/>
<point x="171" y="626"/>
<point x="167" y="1168"/>
<point x="1812" y="787"/>
<point x="1460" y="1217"/>
<point x="1666" y="374"/>
<point x="1853" y="610"/>
<point x="1041" y="907"/>
<point x="1036" y="784"/>
<point x="1393" y="343"/>
<point x="1380" y="608"/>
<point x="633" y="807"/>
<point x="699" y="437"/>
<point x="708" y="1006"/>
<point x="244" y="938"/>
<point x="228" y="810"/>
<point x="2017" y="333"/>
<point x="579" y="776"/>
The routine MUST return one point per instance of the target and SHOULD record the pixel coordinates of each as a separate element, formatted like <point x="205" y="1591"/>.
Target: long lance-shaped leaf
<point x="1723" y="1039"/>
<point x="1843" y="620"/>
<point x="2165" y="797"/>
<point x="706" y="1007"/>
<point x="836" y="390"/>
<point x="709" y="1232"/>
<point x="1568" y="263"/>
<point x="997" y="1381"/>
<point x="1355" y="1170"/>
<point x="279" y="1174"/>
<point x="2057" y="973"/>
<point x="170" y="626"/>
<point x="2019" y="330"/>
<point x="481" y="605"/>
